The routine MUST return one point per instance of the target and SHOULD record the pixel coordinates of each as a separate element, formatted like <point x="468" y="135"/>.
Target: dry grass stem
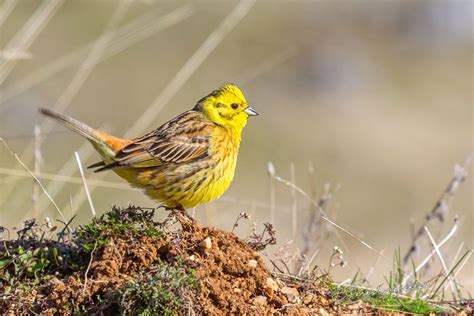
<point x="88" y="268"/>
<point x="427" y="259"/>
<point x="294" y="203"/>
<point x="34" y="177"/>
<point x="86" y="188"/>
<point x="267" y="65"/>
<point x="23" y="39"/>
<point x="442" y="205"/>
<point x="372" y="268"/>
<point x="85" y="69"/>
<point x="125" y="36"/>
<point x="37" y="170"/>
<point x="6" y="9"/>
<point x="271" y="172"/>
<point x="451" y="281"/>
<point x="69" y="168"/>
<point x="92" y="59"/>
<point x="190" y="67"/>
<point x="67" y="179"/>
<point x="326" y="218"/>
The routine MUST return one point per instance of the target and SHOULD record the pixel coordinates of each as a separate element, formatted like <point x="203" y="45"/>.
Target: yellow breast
<point x="194" y="183"/>
<point x="218" y="175"/>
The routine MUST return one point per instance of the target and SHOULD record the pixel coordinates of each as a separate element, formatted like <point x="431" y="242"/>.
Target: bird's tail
<point x="104" y="143"/>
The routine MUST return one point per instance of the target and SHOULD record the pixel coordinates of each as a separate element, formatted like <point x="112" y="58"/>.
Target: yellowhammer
<point x="188" y="160"/>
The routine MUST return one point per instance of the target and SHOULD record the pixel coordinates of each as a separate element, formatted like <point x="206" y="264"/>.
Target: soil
<point x="231" y="275"/>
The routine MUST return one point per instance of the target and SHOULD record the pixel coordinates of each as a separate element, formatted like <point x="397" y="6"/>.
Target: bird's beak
<point x="250" y="111"/>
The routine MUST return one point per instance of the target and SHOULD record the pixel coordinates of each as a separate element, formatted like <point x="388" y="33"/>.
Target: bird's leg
<point x="179" y="210"/>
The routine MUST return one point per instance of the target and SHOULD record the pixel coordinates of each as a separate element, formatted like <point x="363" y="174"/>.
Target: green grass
<point x="380" y="299"/>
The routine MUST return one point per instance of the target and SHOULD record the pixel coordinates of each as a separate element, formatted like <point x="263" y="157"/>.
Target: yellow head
<point x="227" y="107"/>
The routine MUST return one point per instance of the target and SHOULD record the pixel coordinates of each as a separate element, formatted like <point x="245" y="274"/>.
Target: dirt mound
<point x="124" y="262"/>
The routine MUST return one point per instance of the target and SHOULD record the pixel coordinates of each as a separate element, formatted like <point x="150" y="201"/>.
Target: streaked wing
<point x="180" y="140"/>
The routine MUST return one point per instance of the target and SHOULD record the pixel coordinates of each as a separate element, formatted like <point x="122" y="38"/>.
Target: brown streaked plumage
<point x="188" y="160"/>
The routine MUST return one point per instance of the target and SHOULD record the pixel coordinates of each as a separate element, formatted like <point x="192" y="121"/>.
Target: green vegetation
<point x="129" y="221"/>
<point x="162" y="291"/>
<point x="126" y="263"/>
<point x="380" y="299"/>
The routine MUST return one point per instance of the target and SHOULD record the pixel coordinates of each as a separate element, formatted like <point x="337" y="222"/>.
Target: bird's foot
<point x="181" y="214"/>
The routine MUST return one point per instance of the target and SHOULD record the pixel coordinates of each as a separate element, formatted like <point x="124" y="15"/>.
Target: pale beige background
<point x="376" y="95"/>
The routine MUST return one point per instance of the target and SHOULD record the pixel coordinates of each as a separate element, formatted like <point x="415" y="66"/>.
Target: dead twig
<point x="241" y="216"/>
<point x="88" y="268"/>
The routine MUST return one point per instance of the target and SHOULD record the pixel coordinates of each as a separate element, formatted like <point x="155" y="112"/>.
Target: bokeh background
<point x="372" y="97"/>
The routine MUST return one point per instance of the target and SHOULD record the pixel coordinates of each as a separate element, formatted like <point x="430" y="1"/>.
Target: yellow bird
<point x="187" y="161"/>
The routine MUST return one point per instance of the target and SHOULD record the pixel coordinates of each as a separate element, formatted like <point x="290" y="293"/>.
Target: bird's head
<point x="227" y="107"/>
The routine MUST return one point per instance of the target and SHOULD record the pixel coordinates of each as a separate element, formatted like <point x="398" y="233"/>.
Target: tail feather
<point x="73" y="124"/>
<point x="96" y="165"/>
<point x="105" y="144"/>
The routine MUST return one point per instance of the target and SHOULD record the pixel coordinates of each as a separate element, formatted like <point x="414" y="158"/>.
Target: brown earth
<point x="90" y="272"/>
<point x="231" y="275"/>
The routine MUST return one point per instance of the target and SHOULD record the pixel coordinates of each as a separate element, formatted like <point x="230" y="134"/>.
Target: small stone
<point x="192" y="258"/>
<point x="206" y="244"/>
<point x="323" y="301"/>
<point x="323" y="312"/>
<point x="252" y="263"/>
<point x="237" y="290"/>
<point x="270" y="287"/>
<point x="280" y="283"/>
<point x="291" y="293"/>
<point x="260" y="300"/>
<point x="308" y="299"/>
<point x="272" y="284"/>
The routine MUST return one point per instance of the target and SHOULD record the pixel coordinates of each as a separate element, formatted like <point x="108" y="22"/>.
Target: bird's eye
<point x="234" y="106"/>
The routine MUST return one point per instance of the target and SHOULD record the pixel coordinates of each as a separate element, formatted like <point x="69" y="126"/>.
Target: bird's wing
<point x="180" y="140"/>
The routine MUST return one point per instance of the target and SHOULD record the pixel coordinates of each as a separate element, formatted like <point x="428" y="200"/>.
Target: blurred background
<point x="374" y="98"/>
